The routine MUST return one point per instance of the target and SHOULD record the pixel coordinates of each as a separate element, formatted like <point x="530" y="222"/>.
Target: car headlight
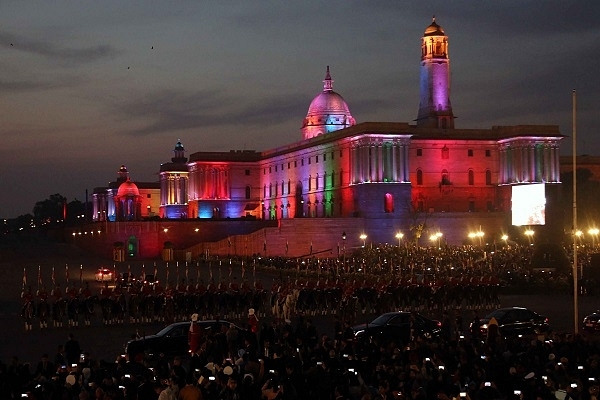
<point x="484" y="326"/>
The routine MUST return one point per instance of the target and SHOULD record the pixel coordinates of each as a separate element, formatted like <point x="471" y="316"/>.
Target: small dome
<point x="327" y="112"/>
<point x="434" y="29"/>
<point x="127" y="189"/>
<point x="179" y="146"/>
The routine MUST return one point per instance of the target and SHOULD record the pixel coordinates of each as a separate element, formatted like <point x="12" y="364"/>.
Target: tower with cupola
<point x="435" y="109"/>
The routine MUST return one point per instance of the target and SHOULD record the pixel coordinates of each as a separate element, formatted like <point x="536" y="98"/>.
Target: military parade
<point x="373" y="281"/>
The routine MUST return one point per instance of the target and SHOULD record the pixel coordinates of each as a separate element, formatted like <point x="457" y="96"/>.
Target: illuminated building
<point x="124" y="200"/>
<point x="380" y="172"/>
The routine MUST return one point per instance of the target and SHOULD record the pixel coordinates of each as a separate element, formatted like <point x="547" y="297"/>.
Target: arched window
<point x="332" y="179"/>
<point x="388" y="205"/>
<point x="247" y="192"/>
<point x="471" y="177"/>
<point x="270" y="190"/>
<point x="488" y="177"/>
<point x="445" y="177"/>
<point x="317" y="182"/>
<point x="282" y="193"/>
<point x="289" y="187"/>
<point x="419" y="177"/>
<point x="309" y="183"/>
<point x="264" y="191"/>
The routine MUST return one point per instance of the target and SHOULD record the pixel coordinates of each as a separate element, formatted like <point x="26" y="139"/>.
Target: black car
<point x="396" y="327"/>
<point x="513" y="321"/>
<point x="591" y="323"/>
<point x="172" y="340"/>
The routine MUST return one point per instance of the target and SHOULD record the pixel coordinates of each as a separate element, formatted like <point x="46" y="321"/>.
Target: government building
<point x="351" y="177"/>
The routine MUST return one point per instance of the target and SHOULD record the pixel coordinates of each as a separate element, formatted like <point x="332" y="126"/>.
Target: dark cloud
<point x="56" y="52"/>
<point x="174" y="111"/>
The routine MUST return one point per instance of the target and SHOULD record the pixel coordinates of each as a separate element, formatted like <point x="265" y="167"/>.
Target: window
<point x="282" y="166"/>
<point x="275" y="168"/>
<point x="471" y="206"/>
<point x="488" y="177"/>
<point x="324" y="156"/>
<point x="302" y="162"/>
<point x="488" y="153"/>
<point x="276" y="189"/>
<point x="247" y="172"/>
<point x="332" y="179"/>
<point x="419" y="177"/>
<point x="289" y="186"/>
<point x="264" y="191"/>
<point x="419" y="152"/>
<point x="282" y="192"/>
<point x="289" y="165"/>
<point x="264" y="171"/>
<point x="270" y="190"/>
<point x="295" y="164"/>
<point x="247" y="192"/>
<point x="269" y="169"/>
<point x="317" y="159"/>
<point x="471" y="177"/>
<point x="470" y="152"/>
<point x="341" y="154"/>
<point x="309" y="183"/>
<point x="341" y="177"/>
<point x="309" y="160"/>
<point x="317" y="182"/>
<point x="148" y="196"/>
<point x="445" y="178"/>
<point x="332" y="153"/>
<point x="445" y="153"/>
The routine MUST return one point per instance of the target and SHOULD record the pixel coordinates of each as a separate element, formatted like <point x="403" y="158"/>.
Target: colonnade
<point x="380" y="161"/>
<point x="529" y="162"/>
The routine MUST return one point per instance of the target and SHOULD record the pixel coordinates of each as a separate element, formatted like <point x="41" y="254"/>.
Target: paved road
<point x="107" y="342"/>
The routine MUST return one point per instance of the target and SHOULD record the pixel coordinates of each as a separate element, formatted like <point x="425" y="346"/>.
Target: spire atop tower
<point x="328" y="82"/>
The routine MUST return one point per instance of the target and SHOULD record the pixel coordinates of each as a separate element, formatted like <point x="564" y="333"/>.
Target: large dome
<point x="128" y="189"/>
<point x="327" y="112"/>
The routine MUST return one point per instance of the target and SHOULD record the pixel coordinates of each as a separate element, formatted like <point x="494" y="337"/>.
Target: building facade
<point x="378" y="170"/>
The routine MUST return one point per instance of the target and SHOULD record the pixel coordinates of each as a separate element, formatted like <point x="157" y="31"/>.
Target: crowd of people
<point x="285" y="360"/>
<point x="291" y="360"/>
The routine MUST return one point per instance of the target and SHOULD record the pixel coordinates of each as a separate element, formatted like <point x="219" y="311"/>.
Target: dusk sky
<point x="86" y="86"/>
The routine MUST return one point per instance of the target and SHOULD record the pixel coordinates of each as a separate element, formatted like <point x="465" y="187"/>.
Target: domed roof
<point x="434" y="29"/>
<point x="328" y="101"/>
<point x="127" y="189"/>
<point x="327" y="112"/>
<point x="179" y="146"/>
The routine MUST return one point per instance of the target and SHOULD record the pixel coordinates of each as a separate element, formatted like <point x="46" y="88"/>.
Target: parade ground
<point x="106" y="342"/>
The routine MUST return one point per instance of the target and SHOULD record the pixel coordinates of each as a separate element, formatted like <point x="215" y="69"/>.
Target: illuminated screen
<point x="529" y="204"/>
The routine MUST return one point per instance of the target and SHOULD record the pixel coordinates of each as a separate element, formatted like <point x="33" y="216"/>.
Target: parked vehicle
<point x="396" y="327"/>
<point x="172" y="340"/>
<point x="513" y="321"/>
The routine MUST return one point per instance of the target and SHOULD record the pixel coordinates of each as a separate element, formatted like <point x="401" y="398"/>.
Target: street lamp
<point x="344" y="246"/>
<point x="399" y="236"/>
<point x="363" y="237"/>
<point x="529" y="233"/>
<point x="593" y="232"/>
<point x="578" y="234"/>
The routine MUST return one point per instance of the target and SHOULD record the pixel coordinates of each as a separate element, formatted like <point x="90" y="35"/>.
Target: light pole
<point x="363" y="237"/>
<point x="399" y="236"/>
<point x="529" y="233"/>
<point x="505" y="238"/>
<point x="593" y="233"/>
<point x="344" y="247"/>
